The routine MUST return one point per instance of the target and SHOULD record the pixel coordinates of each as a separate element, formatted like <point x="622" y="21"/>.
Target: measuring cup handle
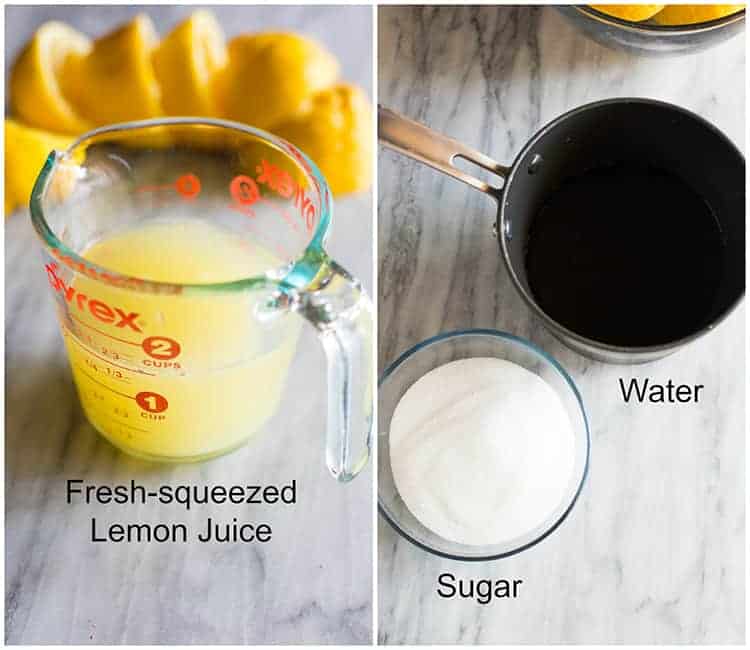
<point x="417" y="141"/>
<point x="342" y="314"/>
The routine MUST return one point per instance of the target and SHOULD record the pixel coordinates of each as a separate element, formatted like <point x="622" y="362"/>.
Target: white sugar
<point x="482" y="450"/>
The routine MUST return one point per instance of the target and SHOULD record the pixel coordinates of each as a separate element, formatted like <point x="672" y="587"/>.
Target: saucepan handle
<point x="417" y="141"/>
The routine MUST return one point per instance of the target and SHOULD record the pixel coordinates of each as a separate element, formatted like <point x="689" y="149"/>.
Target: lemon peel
<point x="270" y="75"/>
<point x="335" y="130"/>
<point x="633" y="13"/>
<point x="115" y="82"/>
<point x="186" y="64"/>
<point x="691" y="14"/>
<point x="36" y="96"/>
<point x="26" y="150"/>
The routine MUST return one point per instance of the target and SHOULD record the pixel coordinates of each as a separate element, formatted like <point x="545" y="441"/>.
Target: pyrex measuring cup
<point x="183" y="372"/>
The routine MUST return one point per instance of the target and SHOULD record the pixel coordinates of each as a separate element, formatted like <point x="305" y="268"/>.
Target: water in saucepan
<point x="626" y="254"/>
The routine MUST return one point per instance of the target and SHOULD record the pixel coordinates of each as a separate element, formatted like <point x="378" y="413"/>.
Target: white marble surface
<point x="313" y="585"/>
<point x="654" y="550"/>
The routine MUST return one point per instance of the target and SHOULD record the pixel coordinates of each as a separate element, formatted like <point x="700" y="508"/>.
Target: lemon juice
<point x="177" y="375"/>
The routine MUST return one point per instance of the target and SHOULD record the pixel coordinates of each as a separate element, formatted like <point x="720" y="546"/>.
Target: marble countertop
<point x="654" y="550"/>
<point x="313" y="585"/>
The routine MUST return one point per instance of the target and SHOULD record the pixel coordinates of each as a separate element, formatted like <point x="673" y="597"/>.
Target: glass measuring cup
<point x="185" y="371"/>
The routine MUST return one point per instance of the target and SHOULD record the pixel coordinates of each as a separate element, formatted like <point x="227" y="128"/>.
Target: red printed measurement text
<point x="245" y="191"/>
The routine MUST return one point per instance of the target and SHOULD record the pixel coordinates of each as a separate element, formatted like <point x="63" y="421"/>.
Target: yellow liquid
<point x="177" y="377"/>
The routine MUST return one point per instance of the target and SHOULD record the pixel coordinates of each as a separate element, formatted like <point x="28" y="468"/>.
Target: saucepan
<point x="666" y="136"/>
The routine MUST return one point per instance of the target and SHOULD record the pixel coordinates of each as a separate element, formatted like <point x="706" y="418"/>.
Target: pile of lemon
<point x="669" y="14"/>
<point x="62" y="84"/>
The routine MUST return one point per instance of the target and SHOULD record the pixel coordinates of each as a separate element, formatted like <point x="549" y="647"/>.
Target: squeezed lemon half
<point x="186" y="63"/>
<point x="271" y="75"/>
<point x="691" y="14"/>
<point x="335" y="130"/>
<point x="36" y="96"/>
<point x="115" y="82"/>
<point x="26" y="149"/>
<point x="633" y="13"/>
<point x="669" y="14"/>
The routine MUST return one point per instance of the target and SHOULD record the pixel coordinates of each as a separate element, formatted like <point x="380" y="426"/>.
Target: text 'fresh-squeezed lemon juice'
<point x="176" y="376"/>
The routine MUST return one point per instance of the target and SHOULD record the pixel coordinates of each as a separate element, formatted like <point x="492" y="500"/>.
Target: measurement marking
<point x="109" y="361"/>
<point x="106" y="415"/>
<point x="154" y="188"/>
<point x="279" y="210"/>
<point x="109" y="336"/>
<point x="269" y="242"/>
<point x="130" y="426"/>
<point x="247" y="211"/>
<point x="117" y="392"/>
<point x="125" y="380"/>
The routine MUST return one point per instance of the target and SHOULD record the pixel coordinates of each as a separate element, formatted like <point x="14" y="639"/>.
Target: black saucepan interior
<point x="645" y="131"/>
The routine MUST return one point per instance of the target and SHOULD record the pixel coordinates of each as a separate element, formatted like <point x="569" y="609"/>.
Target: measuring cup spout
<point x="342" y="315"/>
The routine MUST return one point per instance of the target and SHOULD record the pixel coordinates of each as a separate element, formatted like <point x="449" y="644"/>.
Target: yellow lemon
<point x="26" y="149"/>
<point x="335" y="130"/>
<point x="633" y="13"/>
<point x="116" y="81"/>
<point x="270" y="75"/>
<point x="186" y="64"/>
<point x="35" y="93"/>
<point x="689" y="14"/>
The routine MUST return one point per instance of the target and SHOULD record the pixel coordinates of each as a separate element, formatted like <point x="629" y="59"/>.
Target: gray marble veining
<point x="312" y="584"/>
<point x="654" y="550"/>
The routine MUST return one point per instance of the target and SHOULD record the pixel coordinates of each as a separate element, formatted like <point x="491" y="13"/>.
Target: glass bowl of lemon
<point x="658" y="29"/>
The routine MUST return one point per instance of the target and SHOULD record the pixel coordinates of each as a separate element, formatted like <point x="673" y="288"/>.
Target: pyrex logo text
<point x="98" y="309"/>
<point x="245" y="191"/>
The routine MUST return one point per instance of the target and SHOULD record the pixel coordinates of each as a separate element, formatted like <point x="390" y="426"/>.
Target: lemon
<point x="689" y="14"/>
<point x="115" y="82"/>
<point x="26" y="150"/>
<point x="270" y="75"/>
<point x="335" y="130"/>
<point x="633" y="13"/>
<point x="35" y="93"/>
<point x="186" y="64"/>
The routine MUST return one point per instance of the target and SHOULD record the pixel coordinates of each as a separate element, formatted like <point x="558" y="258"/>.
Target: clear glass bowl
<point x="441" y="349"/>
<point x="649" y="38"/>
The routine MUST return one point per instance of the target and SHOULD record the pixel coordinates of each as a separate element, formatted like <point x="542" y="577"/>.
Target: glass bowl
<point x="441" y="349"/>
<point x="649" y="38"/>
